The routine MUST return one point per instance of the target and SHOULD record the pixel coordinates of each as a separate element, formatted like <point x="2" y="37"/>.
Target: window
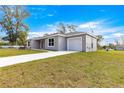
<point x="92" y="45"/>
<point x="28" y="43"/>
<point x="51" y="42"/>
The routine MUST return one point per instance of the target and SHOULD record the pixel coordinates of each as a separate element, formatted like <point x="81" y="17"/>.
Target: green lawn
<point x="96" y="69"/>
<point x="13" y="52"/>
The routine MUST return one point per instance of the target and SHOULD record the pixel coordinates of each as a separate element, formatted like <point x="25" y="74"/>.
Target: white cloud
<point x="33" y="8"/>
<point x="50" y="15"/>
<point x="103" y="27"/>
<point x="39" y="9"/>
<point x="89" y="24"/>
<point x="96" y="26"/>
<point x="38" y="34"/>
<point x="111" y="30"/>
<point x="34" y="14"/>
<point x="106" y="37"/>
<point x="102" y="10"/>
<point x="112" y="37"/>
<point x="118" y="34"/>
<point x="49" y="29"/>
<point x="44" y="13"/>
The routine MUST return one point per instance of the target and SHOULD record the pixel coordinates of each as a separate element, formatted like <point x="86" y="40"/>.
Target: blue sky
<point x="104" y="20"/>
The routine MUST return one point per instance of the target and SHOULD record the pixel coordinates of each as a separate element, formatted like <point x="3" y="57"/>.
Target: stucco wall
<point x="89" y="41"/>
<point x="59" y="43"/>
<point x="34" y="44"/>
<point x="83" y="42"/>
<point x="94" y="44"/>
<point x="62" y="43"/>
<point x="55" y="47"/>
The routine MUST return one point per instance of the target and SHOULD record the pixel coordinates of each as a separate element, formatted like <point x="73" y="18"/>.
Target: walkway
<point x="6" y="61"/>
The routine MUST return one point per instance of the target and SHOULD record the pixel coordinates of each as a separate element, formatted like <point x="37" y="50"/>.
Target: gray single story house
<point x="73" y="41"/>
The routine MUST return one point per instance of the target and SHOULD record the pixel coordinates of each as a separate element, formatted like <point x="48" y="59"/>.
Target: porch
<point x="40" y="44"/>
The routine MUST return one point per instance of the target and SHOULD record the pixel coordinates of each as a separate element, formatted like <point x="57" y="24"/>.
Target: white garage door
<point x="74" y="44"/>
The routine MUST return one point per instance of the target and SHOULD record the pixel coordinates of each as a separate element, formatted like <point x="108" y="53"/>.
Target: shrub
<point x="4" y="43"/>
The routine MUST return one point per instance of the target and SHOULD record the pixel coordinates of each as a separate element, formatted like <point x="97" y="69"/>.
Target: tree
<point x="99" y="39"/>
<point x="117" y="42"/>
<point x="71" y="28"/>
<point x="61" y="28"/>
<point x="112" y="46"/>
<point x="12" y="22"/>
<point x="22" y="38"/>
<point x="104" y="47"/>
<point x="46" y="34"/>
<point x="122" y="39"/>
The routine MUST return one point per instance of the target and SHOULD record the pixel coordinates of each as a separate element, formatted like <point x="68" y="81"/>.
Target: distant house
<point x="73" y="41"/>
<point x="120" y="47"/>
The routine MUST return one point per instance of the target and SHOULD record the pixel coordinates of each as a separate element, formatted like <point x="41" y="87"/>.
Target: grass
<point x="13" y="52"/>
<point x="96" y="69"/>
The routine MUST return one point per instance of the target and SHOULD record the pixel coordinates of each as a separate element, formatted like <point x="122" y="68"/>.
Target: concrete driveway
<point x="6" y="61"/>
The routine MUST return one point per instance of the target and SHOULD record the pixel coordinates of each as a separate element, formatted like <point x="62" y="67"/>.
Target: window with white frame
<point x="51" y="42"/>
